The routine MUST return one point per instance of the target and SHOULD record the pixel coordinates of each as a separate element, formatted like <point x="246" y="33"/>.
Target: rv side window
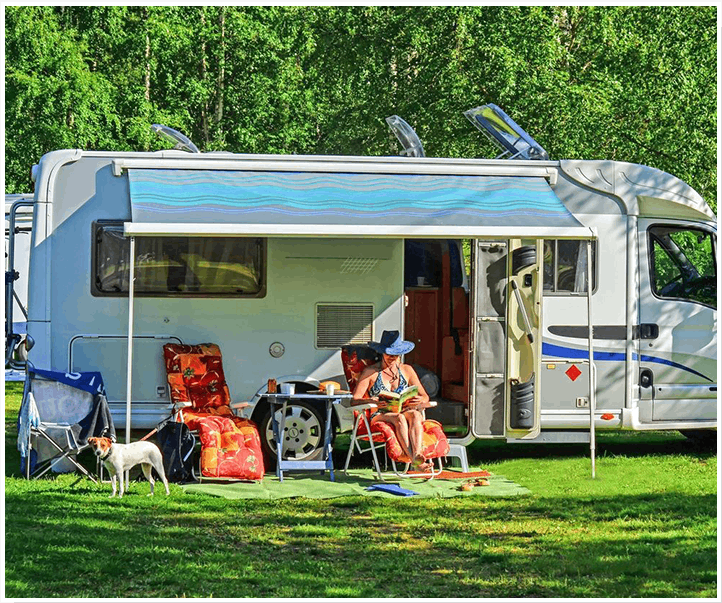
<point x="178" y="266"/>
<point x="682" y="264"/>
<point x="565" y="266"/>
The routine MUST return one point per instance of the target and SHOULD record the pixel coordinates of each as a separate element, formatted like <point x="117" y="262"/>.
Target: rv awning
<point x="235" y="203"/>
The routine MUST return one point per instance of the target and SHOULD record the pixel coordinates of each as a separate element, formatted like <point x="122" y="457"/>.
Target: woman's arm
<point x="365" y="380"/>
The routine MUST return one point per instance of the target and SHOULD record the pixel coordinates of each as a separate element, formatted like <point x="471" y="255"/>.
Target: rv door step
<point x="448" y="412"/>
<point x="567" y="436"/>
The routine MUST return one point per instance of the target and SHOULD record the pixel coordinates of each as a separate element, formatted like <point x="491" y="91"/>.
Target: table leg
<point x="278" y="433"/>
<point x="327" y="439"/>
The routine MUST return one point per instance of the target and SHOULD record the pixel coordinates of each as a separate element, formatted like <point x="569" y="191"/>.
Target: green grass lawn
<point x="645" y="527"/>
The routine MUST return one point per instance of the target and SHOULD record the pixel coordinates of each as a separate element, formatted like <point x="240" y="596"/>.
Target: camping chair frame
<point x="64" y="454"/>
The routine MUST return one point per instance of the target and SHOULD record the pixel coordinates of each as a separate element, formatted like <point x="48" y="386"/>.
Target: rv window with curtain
<point x="565" y="266"/>
<point x="682" y="264"/>
<point x="178" y="266"/>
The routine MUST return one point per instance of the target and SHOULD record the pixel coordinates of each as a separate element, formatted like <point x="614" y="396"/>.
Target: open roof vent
<point x="407" y="137"/>
<point x="505" y="133"/>
<point x="182" y="142"/>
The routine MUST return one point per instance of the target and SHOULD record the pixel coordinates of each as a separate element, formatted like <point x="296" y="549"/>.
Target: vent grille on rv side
<point x="343" y="324"/>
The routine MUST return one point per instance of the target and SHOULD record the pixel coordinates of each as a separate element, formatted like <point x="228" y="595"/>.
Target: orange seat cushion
<point x="230" y="450"/>
<point x="435" y="443"/>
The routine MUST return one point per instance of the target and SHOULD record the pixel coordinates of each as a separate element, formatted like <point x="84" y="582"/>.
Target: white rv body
<point x="312" y="266"/>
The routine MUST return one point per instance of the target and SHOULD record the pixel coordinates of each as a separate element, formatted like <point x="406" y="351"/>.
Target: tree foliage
<point x="635" y="84"/>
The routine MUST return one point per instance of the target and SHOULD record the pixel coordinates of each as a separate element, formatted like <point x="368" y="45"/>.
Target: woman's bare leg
<point x="416" y="434"/>
<point x="401" y="427"/>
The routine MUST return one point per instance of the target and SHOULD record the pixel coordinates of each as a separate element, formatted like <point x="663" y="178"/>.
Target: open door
<point x="506" y="349"/>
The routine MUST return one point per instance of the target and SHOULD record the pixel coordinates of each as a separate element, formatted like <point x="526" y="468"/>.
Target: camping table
<point x="280" y="401"/>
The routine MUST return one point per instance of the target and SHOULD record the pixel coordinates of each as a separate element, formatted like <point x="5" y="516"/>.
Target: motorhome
<point x="495" y="269"/>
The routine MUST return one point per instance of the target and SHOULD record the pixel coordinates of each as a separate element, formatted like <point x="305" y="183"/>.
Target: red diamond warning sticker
<point x="573" y="372"/>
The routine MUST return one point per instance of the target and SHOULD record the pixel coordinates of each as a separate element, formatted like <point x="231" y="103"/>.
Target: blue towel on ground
<point x="392" y="489"/>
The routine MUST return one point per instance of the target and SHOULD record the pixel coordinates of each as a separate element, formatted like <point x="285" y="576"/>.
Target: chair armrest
<point x="359" y="404"/>
<point x="424" y="405"/>
<point x="175" y="405"/>
<point x="239" y="404"/>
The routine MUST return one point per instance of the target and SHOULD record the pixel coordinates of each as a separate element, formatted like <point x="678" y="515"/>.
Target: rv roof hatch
<point x="505" y="133"/>
<point x="181" y="141"/>
<point x="407" y="137"/>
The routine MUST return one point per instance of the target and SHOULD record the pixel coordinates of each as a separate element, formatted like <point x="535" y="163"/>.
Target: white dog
<point x="119" y="458"/>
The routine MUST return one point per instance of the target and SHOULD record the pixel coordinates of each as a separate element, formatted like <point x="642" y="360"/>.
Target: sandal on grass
<point x="468" y="486"/>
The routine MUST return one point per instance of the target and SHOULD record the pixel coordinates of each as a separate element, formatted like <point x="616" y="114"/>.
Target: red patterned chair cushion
<point x="355" y="359"/>
<point x="195" y="374"/>
<point x="435" y="443"/>
<point x="228" y="450"/>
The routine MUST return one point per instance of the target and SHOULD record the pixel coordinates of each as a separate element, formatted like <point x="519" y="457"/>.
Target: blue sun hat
<point x="391" y="344"/>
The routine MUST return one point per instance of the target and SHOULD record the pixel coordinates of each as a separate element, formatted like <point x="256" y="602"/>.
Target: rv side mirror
<point x="29" y="343"/>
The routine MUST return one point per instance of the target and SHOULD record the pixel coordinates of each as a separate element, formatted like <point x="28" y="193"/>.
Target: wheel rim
<point x="302" y="436"/>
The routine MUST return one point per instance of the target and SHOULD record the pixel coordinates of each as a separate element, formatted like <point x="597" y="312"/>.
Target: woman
<point x="389" y="374"/>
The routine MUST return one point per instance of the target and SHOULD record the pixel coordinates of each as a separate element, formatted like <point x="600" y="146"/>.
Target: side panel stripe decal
<point x="549" y="349"/>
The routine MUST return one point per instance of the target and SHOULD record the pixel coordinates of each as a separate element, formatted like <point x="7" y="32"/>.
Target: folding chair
<point x="58" y="414"/>
<point x="230" y="445"/>
<point x="436" y="445"/>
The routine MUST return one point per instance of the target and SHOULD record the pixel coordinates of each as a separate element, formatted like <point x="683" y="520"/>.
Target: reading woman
<point x="390" y="375"/>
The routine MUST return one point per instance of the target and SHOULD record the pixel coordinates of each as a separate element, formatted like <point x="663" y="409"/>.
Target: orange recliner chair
<point x="436" y="444"/>
<point x="230" y="445"/>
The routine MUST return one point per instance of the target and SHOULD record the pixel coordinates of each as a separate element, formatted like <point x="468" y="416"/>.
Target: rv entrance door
<point x="506" y="349"/>
<point x="678" y="317"/>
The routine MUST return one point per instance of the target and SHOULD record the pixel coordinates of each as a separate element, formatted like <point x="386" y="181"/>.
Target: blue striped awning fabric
<point x="258" y="197"/>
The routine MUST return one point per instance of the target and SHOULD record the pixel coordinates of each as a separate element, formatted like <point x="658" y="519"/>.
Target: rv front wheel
<point x="302" y="435"/>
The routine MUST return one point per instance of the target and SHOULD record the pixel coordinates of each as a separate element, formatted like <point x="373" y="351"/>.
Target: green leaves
<point x="628" y="83"/>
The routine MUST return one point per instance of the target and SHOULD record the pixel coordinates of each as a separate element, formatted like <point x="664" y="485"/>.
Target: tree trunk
<point x="147" y="56"/>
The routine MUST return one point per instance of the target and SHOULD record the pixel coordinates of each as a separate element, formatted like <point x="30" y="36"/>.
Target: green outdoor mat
<point x="315" y="485"/>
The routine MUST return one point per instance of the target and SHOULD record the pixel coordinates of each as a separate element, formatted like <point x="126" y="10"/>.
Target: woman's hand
<point x="418" y="402"/>
<point x="382" y="402"/>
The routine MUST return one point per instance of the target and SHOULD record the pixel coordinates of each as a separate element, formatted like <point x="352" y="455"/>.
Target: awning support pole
<point x="592" y="379"/>
<point x="129" y="380"/>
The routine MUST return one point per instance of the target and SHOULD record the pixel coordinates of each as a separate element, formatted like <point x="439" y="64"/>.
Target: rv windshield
<point x="683" y="264"/>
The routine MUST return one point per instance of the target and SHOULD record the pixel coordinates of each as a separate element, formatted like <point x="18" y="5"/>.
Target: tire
<point x="704" y="438"/>
<point x="304" y="433"/>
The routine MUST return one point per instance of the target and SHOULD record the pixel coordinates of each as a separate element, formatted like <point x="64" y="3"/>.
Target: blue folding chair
<point x="59" y="412"/>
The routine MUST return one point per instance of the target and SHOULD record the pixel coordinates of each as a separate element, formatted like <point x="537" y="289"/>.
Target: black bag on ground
<point x="176" y="442"/>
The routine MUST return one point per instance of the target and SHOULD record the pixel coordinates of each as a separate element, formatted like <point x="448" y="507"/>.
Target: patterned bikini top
<point x="379" y="385"/>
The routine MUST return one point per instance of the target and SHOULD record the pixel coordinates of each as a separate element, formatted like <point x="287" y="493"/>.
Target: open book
<point x="396" y="401"/>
